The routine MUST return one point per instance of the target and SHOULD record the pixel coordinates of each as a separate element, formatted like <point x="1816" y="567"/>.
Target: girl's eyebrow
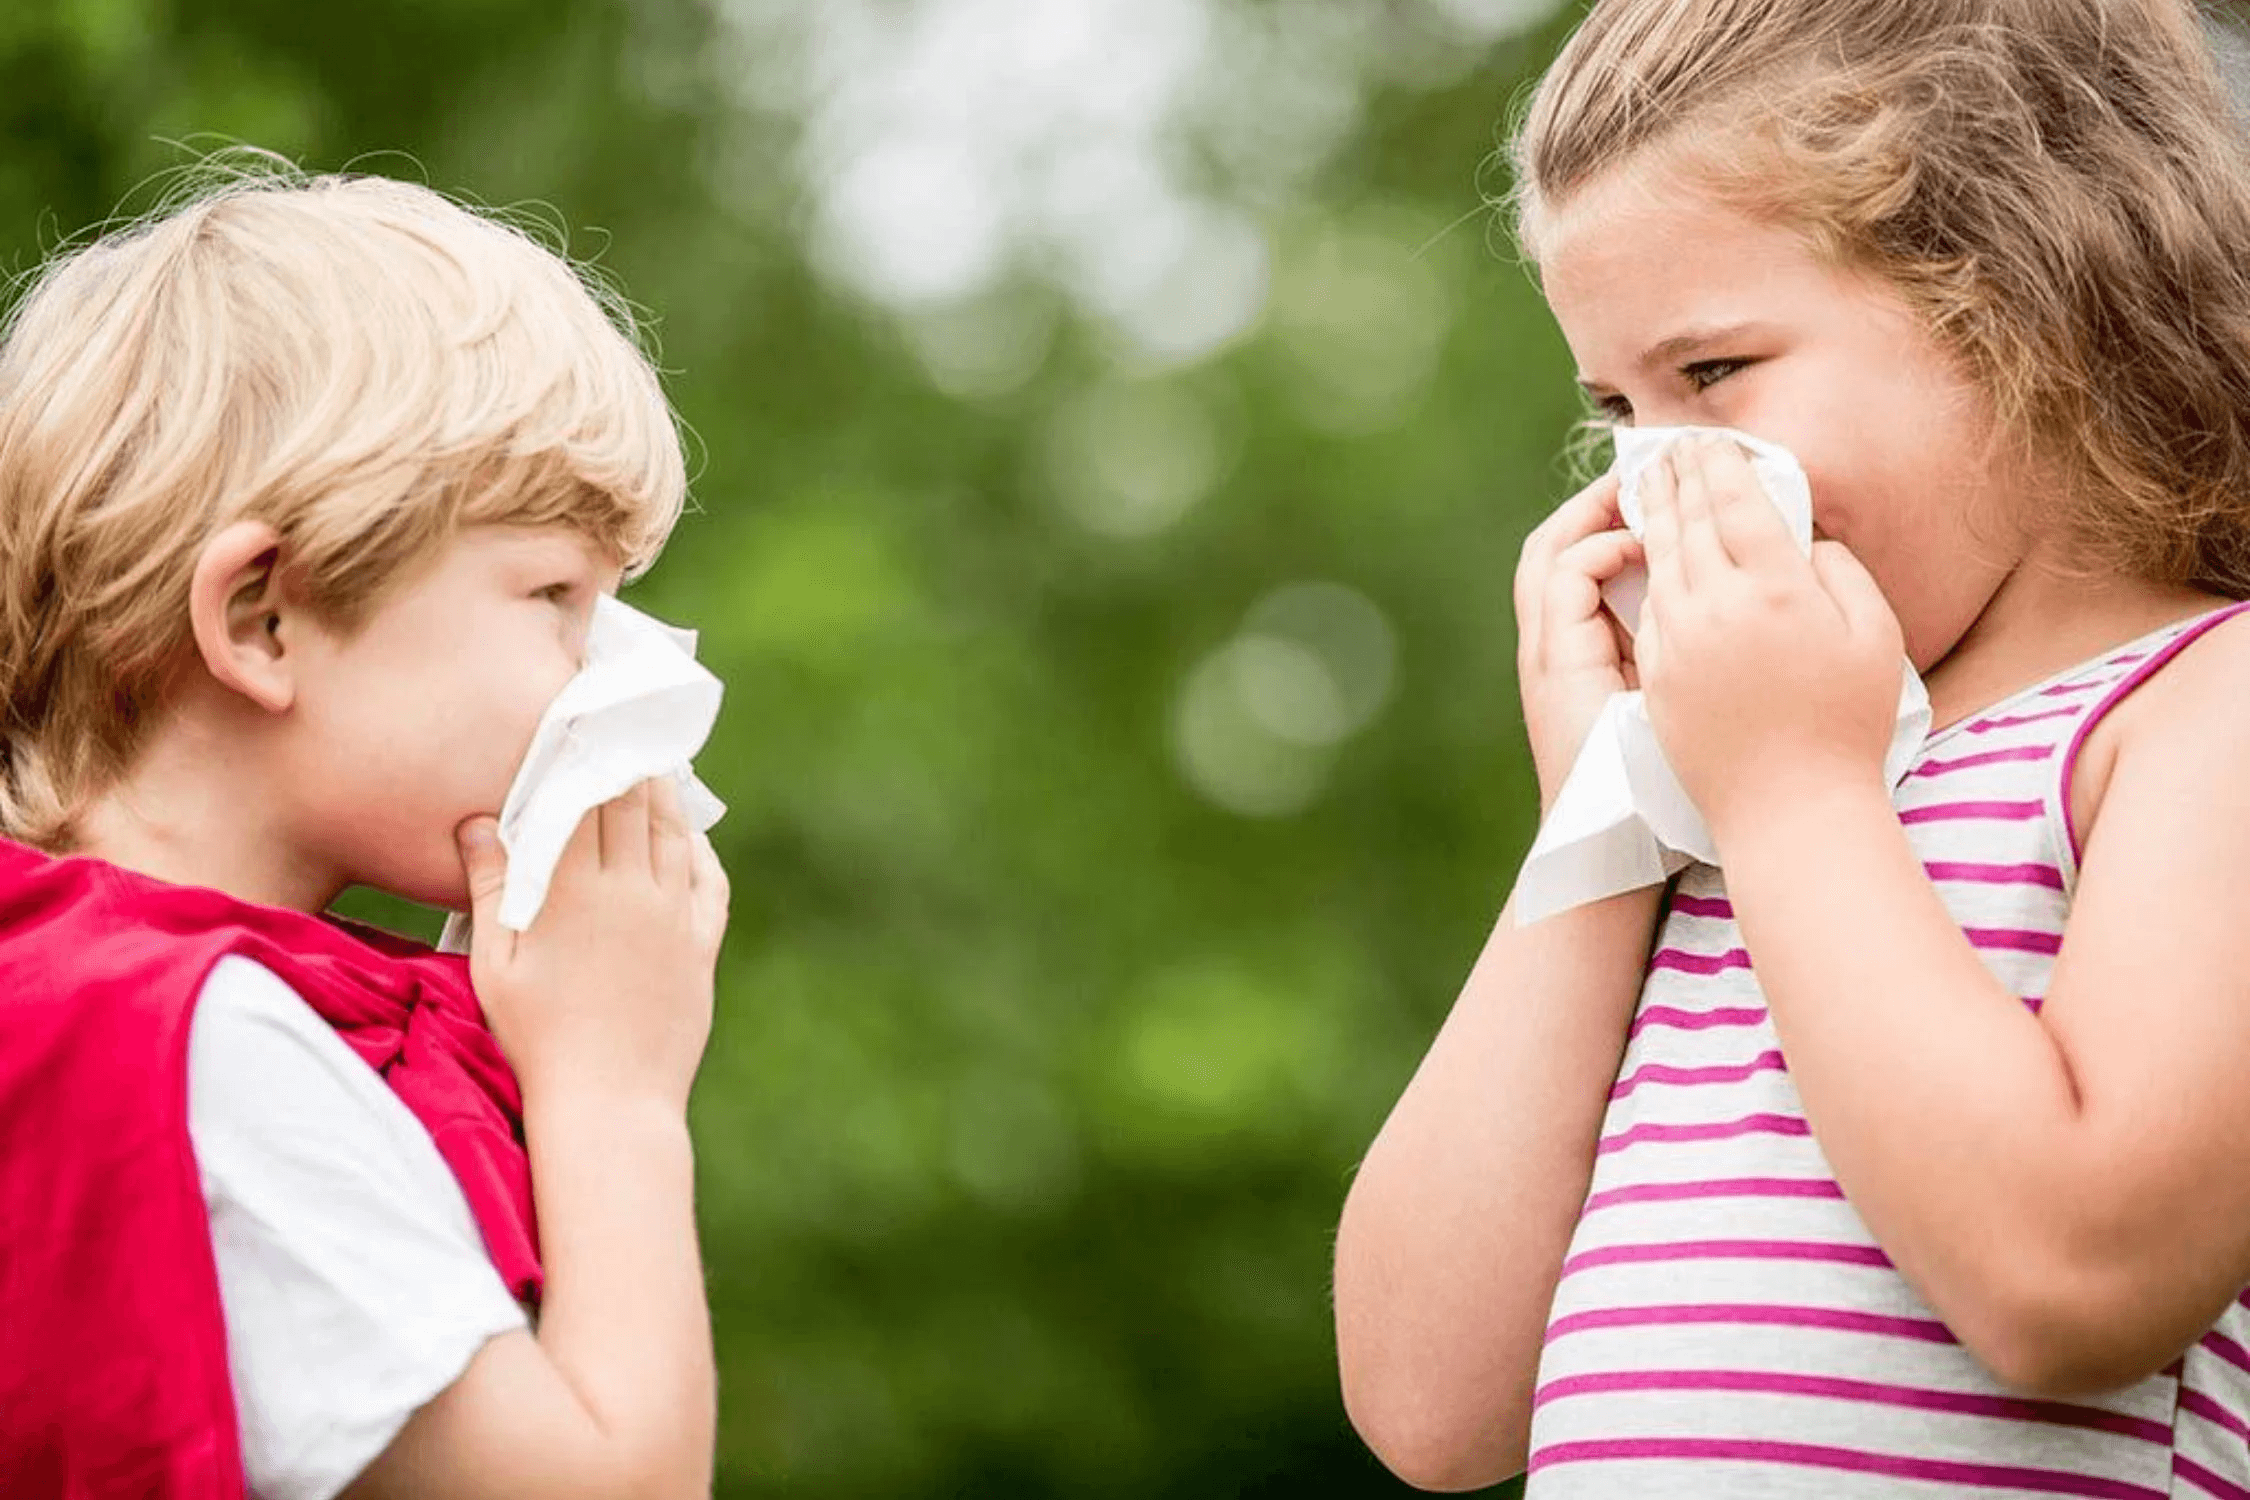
<point x="1692" y="341"/>
<point x="1678" y="349"/>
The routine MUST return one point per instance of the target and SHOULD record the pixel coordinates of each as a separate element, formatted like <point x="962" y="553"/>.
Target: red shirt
<point x="113" y="1361"/>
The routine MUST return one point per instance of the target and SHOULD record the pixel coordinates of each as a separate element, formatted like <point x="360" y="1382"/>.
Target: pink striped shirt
<point x="1726" y="1325"/>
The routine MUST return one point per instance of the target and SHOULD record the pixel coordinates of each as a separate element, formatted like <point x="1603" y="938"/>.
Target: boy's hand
<point x="1571" y="654"/>
<point x="603" y="1008"/>
<point x="611" y="986"/>
<point x="1766" y="671"/>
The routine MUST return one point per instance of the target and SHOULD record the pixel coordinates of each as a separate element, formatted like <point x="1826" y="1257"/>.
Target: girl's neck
<point x="2043" y="621"/>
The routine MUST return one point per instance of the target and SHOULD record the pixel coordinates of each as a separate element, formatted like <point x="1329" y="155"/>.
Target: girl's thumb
<point x="1853" y="589"/>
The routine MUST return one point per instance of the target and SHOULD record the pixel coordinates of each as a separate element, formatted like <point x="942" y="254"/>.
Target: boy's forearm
<point x="1457" y="1224"/>
<point x="624" y="1319"/>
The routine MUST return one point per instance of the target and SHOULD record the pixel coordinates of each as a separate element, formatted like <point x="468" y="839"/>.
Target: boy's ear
<point x="236" y="608"/>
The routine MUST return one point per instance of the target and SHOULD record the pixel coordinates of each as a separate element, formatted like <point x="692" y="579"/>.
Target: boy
<point x="307" y="489"/>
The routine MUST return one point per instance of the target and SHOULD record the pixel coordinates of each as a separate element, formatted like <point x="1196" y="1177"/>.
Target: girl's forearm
<point x="1947" y="1110"/>
<point x="1457" y="1224"/>
<point x="624" y="1319"/>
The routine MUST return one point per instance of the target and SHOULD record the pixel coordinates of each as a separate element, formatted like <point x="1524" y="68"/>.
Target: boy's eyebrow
<point x="547" y="545"/>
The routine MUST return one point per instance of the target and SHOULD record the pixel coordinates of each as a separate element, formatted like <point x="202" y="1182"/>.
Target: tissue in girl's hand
<point x="1622" y="820"/>
<point x="641" y="707"/>
<point x="1638" y="448"/>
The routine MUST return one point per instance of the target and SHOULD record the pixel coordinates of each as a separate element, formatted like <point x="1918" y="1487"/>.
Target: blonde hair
<point x="2059" y="188"/>
<point x="359" y="363"/>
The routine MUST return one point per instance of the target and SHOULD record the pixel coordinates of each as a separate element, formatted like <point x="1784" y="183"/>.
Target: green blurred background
<point x="1116" y="421"/>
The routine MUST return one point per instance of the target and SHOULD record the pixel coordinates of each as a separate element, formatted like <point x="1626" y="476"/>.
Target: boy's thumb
<point x="485" y="864"/>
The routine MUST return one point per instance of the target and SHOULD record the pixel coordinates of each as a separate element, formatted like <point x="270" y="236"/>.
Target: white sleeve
<point x="355" y="1284"/>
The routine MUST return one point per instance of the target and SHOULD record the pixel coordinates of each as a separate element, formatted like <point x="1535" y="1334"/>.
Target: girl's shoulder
<point x="2185" y="706"/>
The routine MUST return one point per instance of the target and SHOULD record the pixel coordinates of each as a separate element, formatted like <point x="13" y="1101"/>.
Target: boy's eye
<point x="555" y="593"/>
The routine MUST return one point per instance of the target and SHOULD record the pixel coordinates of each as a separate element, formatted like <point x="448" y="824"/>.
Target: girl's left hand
<point x="1766" y="673"/>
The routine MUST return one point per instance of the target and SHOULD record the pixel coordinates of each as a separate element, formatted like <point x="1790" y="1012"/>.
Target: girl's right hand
<point x="611" y="987"/>
<point x="1571" y="654"/>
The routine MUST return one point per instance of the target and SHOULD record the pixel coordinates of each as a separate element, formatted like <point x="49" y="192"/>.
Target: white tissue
<point x="1638" y="449"/>
<point x="1622" y="820"/>
<point x="641" y="707"/>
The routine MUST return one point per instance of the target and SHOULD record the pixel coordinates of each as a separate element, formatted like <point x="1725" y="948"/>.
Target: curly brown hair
<point x="2060" y="188"/>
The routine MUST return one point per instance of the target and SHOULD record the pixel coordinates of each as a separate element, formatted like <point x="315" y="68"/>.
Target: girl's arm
<point x="1454" y="1233"/>
<point x="2065" y="1189"/>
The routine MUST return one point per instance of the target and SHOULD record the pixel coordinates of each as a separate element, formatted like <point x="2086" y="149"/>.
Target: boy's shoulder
<point x="80" y="912"/>
<point x="98" y="957"/>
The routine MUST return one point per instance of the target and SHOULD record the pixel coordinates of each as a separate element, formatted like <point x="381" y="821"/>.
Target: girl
<point x="1901" y="1157"/>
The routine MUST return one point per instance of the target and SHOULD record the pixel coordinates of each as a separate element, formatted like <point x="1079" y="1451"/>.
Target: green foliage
<point x="1039" y="1073"/>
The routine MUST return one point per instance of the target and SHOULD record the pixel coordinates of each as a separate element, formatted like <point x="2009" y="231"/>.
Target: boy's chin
<point x="450" y="895"/>
<point x="446" y="890"/>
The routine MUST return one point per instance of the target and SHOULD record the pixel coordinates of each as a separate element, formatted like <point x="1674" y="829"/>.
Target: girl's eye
<point x="1706" y="373"/>
<point x="555" y="593"/>
<point x="1615" y="409"/>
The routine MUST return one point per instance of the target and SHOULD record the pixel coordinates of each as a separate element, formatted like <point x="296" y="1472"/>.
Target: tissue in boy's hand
<point x="641" y="707"/>
<point x="1622" y="820"/>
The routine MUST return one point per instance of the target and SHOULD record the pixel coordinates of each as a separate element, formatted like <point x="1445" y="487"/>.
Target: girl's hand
<point x="611" y="987"/>
<point x="1766" y="672"/>
<point x="1571" y="654"/>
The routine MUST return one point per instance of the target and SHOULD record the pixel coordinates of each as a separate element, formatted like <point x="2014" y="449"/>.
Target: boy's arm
<point x="615" y="1395"/>
<point x="603" y="1008"/>
<point x="1454" y="1234"/>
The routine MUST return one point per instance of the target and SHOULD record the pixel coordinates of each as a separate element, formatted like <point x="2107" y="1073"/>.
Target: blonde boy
<point x="307" y="489"/>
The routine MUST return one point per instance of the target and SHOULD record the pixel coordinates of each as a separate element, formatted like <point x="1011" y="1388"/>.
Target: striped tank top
<point x="1726" y="1326"/>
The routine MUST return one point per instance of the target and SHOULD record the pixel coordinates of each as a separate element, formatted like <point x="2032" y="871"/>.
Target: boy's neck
<point x="196" y="810"/>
